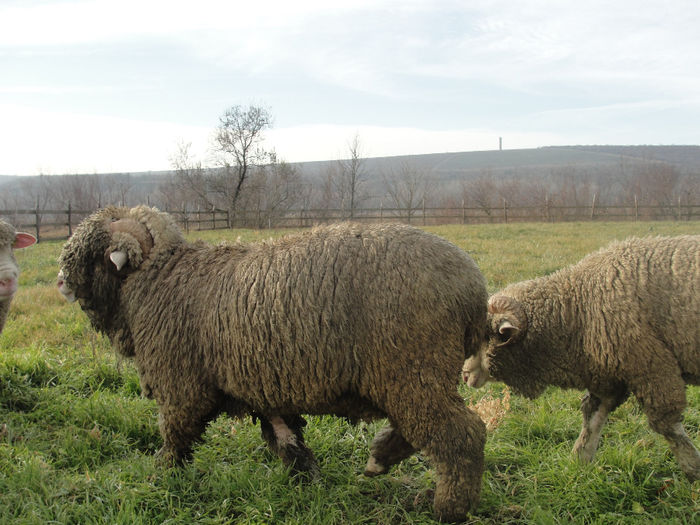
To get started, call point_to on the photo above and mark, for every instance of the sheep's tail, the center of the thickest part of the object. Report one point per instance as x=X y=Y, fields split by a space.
x=474 y=336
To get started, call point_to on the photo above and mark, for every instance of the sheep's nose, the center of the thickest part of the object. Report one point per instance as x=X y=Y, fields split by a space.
x=8 y=287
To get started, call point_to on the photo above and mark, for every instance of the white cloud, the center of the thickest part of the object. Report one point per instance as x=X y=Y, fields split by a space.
x=603 y=63
x=57 y=143
x=37 y=141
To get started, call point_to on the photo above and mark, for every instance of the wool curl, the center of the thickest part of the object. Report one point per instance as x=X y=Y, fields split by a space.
x=7 y=233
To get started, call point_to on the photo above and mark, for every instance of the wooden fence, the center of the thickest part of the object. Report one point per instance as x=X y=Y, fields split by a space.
x=59 y=224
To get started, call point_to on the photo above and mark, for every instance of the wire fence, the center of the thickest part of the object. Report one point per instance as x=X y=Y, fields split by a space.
x=49 y=224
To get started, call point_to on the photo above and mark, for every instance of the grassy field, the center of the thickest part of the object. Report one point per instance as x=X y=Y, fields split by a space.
x=77 y=440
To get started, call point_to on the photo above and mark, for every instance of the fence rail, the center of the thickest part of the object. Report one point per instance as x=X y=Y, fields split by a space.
x=58 y=224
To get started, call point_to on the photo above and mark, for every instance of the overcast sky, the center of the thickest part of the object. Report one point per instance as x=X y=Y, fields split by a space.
x=99 y=85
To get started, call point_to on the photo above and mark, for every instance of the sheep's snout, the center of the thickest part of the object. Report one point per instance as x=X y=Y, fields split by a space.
x=9 y=272
x=63 y=287
x=474 y=372
x=8 y=287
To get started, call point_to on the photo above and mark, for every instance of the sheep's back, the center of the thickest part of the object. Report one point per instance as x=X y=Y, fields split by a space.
x=327 y=312
x=614 y=299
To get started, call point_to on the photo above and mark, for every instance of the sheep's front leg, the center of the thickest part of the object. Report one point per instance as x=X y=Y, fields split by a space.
x=595 y=413
x=182 y=424
x=284 y=436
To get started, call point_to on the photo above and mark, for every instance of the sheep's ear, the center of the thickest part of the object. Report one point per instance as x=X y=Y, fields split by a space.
x=119 y=259
x=508 y=331
x=22 y=240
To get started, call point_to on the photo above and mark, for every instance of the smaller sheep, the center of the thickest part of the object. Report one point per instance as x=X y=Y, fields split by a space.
x=623 y=320
x=9 y=271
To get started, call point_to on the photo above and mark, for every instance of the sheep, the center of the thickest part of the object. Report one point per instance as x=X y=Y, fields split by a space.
x=10 y=240
x=357 y=321
x=622 y=320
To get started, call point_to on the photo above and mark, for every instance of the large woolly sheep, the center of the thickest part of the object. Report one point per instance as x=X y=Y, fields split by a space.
x=357 y=321
x=624 y=319
x=10 y=240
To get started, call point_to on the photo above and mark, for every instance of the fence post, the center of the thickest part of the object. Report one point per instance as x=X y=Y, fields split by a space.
x=505 y=211
x=423 y=211
x=636 y=209
x=70 y=227
x=464 y=213
x=38 y=221
x=679 y=208
x=595 y=196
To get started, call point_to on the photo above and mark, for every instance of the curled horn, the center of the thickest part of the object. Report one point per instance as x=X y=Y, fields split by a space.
x=512 y=317
x=138 y=232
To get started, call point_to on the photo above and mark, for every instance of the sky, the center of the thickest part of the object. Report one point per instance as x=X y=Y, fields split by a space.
x=97 y=86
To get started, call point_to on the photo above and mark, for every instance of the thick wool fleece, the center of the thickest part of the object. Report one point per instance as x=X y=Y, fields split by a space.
x=623 y=320
x=628 y=312
x=357 y=321
x=7 y=233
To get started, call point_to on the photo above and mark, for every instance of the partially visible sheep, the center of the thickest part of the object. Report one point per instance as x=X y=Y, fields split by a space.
x=624 y=319
x=357 y=321
x=9 y=271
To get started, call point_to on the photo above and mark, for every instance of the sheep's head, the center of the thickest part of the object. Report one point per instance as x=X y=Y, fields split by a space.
x=10 y=240
x=506 y=327
x=107 y=248
x=114 y=242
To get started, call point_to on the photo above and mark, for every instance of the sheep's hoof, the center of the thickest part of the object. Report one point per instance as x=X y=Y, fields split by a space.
x=167 y=457
x=374 y=468
x=582 y=453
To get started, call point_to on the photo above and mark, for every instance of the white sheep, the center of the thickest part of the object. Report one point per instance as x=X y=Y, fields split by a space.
x=10 y=240
x=625 y=319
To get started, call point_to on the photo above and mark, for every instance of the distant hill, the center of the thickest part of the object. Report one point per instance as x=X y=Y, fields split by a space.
x=446 y=171
x=522 y=162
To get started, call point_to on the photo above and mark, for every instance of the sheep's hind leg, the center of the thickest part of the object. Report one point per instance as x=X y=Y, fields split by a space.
x=682 y=447
x=284 y=436
x=388 y=448
x=662 y=396
x=667 y=422
x=438 y=423
x=595 y=413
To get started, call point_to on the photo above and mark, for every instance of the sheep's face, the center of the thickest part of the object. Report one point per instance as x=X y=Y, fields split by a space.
x=503 y=356
x=475 y=371
x=105 y=250
x=494 y=354
x=9 y=271
x=86 y=272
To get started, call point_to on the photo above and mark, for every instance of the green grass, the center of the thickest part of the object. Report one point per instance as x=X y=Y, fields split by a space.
x=78 y=441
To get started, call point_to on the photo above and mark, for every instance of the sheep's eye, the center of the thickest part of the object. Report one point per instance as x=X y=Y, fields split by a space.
x=502 y=337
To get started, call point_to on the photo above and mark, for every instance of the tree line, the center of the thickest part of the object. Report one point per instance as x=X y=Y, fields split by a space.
x=257 y=189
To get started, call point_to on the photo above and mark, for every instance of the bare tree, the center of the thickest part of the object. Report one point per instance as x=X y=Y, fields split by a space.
x=190 y=181
x=481 y=193
x=273 y=190
x=351 y=177
x=238 y=148
x=407 y=187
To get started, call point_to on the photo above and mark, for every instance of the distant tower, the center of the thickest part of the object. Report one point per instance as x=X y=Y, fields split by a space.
x=500 y=143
